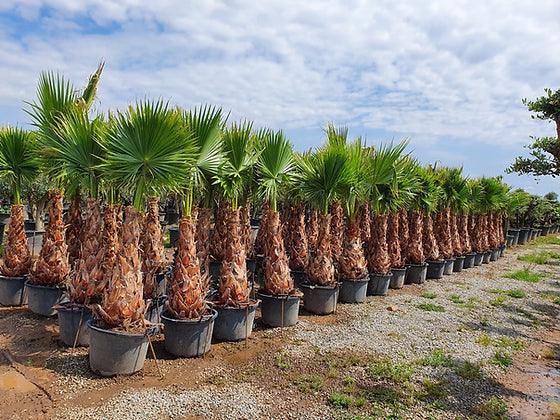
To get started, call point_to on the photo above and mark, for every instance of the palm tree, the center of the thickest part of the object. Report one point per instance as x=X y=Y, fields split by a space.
x=233 y=179
x=146 y=154
x=428 y=184
x=18 y=165
x=275 y=165
x=189 y=282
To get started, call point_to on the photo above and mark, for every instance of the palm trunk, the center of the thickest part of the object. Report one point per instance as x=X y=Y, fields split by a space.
x=378 y=252
x=320 y=269
x=443 y=233
x=404 y=234
x=456 y=239
x=234 y=289
x=484 y=232
x=415 y=251
x=16 y=260
x=337 y=233
x=429 y=243
x=312 y=229
x=52 y=267
x=353 y=262
x=88 y=274
x=187 y=290
x=464 y=232
x=112 y=228
x=365 y=222
x=123 y=305
x=220 y=232
x=479 y=233
x=261 y=238
x=204 y=222
x=297 y=248
x=393 y=242
x=153 y=256
x=277 y=279
x=246 y=236
x=74 y=229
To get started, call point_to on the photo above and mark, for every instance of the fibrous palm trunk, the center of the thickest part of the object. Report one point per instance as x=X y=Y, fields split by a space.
x=320 y=269
x=112 y=228
x=429 y=243
x=153 y=256
x=415 y=250
x=353 y=264
x=220 y=231
x=337 y=233
x=378 y=253
x=123 y=304
x=443 y=233
x=404 y=234
x=393 y=241
x=466 y=245
x=52 y=267
x=261 y=238
x=501 y=229
x=74 y=229
x=365 y=222
x=246 y=234
x=456 y=239
x=188 y=288
x=16 y=260
x=88 y=273
x=312 y=229
x=204 y=222
x=277 y=279
x=477 y=232
x=234 y=289
x=483 y=220
x=297 y=249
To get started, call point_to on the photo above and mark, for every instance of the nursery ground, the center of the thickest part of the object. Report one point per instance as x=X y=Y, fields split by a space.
x=475 y=344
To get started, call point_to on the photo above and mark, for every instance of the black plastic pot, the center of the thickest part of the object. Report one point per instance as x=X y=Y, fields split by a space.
x=279 y=311
x=172 y=217
x=353 y=291
x=448 y=266
x=34 y=240
x=478 y=258
x=174 y=236
x=523 y=236
x=515 y=234
x=73 y=324
x=545 y=230
x=502 y=249
x=29 y=224
x=416 y=273
x=188 y=337
x=494 y=254
x=458 y=264
x=12 y=291
x=215 y=267
x=251 y=265
x=397 y=278
x=509 y=240
x=378 y=284
x=533 y=234
x=154 y=309
x=319 y=300
x=115 y=352
x=299 y=278
x=435 y=269
x=486 y=257
x=42 y=299
x=234 y=324
x=469 y=260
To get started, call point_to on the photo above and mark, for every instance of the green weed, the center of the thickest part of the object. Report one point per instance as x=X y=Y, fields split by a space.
x=430 y=307
x=525 y=275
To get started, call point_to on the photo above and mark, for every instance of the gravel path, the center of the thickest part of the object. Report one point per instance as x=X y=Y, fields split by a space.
x=294 y=373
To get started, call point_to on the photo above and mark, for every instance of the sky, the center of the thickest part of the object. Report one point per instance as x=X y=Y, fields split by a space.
x=447 y=76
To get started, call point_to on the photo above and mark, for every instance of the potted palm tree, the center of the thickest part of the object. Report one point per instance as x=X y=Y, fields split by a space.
x=145 y=155
x=353 y=268
x=382 y=169
x=321 y=174
x=188 y=319
x=275 y=166
x=236 y=311
x=18 y=164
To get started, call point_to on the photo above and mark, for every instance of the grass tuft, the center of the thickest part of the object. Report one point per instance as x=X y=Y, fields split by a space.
x=526 y=275
x=493 y=408
x=385 y=369
x=429 y=295
x=430 y=307
x=438 y=358
x=456 y=299
x=339 y=400
x=502 y=359
x=468 y=370
x=543 y=257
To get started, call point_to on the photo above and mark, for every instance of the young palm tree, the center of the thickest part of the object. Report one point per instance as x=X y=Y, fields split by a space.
x=233 y=178
x=152 y=251
x=18 y=164
x=146 y=155
x=275 y=165
x=428 y=184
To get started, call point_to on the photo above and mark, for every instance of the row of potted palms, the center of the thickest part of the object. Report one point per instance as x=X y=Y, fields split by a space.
x=336 y=223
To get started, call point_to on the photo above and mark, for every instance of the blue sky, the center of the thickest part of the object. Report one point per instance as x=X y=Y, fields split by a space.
x=448 y=76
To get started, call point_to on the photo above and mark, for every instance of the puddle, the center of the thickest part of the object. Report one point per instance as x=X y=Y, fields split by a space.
x=14 y=381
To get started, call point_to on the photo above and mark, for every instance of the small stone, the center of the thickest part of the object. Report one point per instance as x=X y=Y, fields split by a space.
x=393 y=308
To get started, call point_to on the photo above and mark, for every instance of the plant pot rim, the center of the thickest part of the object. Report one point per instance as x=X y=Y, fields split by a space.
x=165 y=315
x=360 y=280
x=389 y=274
x=251 y=303
x=71 y=307
x=424 y=264
x=316 y=286
x=28 y=283
x=450 y=259
x=470 y=253
x=435 y=261
x=398 y=268
x=91 y=324
x=24 y=277
x=279 y=297
x=460 y=257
